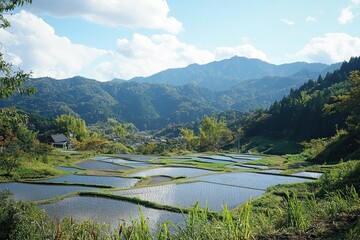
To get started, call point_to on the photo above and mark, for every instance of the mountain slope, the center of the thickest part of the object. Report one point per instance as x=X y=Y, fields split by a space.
x=221 y=75
x=151 y=106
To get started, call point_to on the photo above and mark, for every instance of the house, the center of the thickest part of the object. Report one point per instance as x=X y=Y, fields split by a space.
x=60 y=140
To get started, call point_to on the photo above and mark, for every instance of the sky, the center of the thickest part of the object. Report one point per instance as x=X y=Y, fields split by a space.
x=107 y=39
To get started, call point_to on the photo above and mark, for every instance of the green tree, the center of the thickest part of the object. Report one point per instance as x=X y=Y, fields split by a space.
x=120 y=131
x=68 y=125
x=15 y=139
x=191 y=140
x=213 y=133
x=348 y=102
x=11 y=81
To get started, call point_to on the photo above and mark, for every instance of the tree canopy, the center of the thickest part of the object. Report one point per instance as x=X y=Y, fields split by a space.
x=11 y=80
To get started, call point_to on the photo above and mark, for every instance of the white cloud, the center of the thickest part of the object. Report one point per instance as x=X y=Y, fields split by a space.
x=288 y=22
x=30 y=43
x=144 y=56
x=311 y=19
x=245 y=50
x=355 y=2
x=334 y=47
x=346 y=16
x=129 y=13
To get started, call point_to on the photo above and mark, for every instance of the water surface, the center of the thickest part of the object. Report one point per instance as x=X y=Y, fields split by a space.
x=185 y=195
x=118 y=182
x=100 y=165
x=68 y=169
x=36 y=192
x=308 y=174
x=250 y=180
x=107 y=211
x=172 y=172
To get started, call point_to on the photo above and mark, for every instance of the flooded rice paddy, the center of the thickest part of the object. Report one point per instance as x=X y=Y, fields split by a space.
x=214 y=189
x=37 y=192
x=172 y=172
x=215 y=196
x=249 y=179
x=111 y=211
x=100 y=165
x=118 y=182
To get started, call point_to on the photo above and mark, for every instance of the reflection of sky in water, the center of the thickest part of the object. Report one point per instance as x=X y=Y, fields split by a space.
x=108 y=211
x=308 y=174
x=210 y=160
x=69 y=169
x=36 y=192
x=276 y=171
x=171 y=171
x=255 y=166
x=97 y=165
x=250 y=180
x=102 y=180
x=137 y=157
x=134 y=164
x=185 y=195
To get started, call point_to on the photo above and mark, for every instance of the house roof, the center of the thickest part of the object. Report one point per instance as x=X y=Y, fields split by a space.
x=58 y=138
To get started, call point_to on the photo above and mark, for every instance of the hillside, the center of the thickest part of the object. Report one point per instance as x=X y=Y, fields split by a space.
x=222 y=75
x=300 y=116
x=154 y=105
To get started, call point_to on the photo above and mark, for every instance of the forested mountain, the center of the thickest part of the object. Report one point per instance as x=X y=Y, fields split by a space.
x=300 y=115
x=150 y=105
x=222 y=75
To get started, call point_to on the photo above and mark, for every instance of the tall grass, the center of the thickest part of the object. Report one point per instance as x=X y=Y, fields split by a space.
x=295 y=213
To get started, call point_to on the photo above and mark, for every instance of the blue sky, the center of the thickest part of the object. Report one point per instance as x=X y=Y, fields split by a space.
x=106 y=39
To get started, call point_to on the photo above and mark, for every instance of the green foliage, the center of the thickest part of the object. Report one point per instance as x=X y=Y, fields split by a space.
x=15 y=139
x=68 y=125
x=295 y=213
x=348 y=102
x=21 y=220
x=299 y=116
x=192 y=141
x=213 y=133
x=11 y=81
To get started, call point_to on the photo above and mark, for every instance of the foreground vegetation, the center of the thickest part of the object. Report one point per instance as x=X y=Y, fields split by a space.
x=325 y=209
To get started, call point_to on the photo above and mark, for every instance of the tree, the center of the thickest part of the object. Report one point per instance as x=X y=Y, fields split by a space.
x=213 y=133
x=11 y=81
x=10 y=156
x=190 y=138
x=15 y=138
x=68 y=125
x=348 y=102
x=120 y=131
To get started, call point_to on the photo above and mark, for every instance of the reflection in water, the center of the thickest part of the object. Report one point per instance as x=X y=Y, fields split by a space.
x=99 y=165
x=107 y=211
x=185 y=195
x=171 y=171
x=101 y=180
x=69 y=169
x=308 y=174
x=36 y=192
x=250 y=180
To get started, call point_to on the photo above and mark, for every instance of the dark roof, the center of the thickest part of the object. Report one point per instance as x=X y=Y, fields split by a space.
x=58 y=138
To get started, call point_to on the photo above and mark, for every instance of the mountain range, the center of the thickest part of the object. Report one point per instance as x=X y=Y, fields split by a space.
x=222 y=75
x=172 y=96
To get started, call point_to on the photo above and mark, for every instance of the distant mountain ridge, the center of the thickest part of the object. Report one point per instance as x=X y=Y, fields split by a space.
x=224 y=74
x=154 y=105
